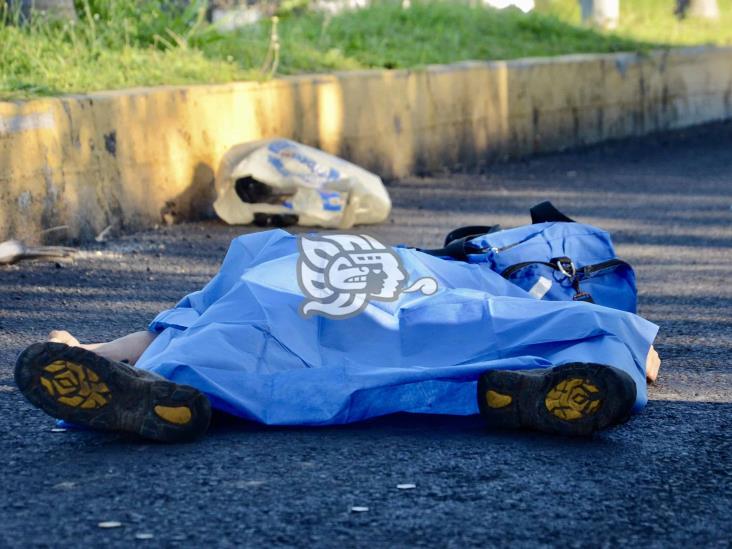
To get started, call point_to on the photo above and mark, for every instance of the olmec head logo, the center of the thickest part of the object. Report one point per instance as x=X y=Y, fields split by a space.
x=340 y=273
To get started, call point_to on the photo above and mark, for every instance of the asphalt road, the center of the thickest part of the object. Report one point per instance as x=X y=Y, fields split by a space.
x=663 y=479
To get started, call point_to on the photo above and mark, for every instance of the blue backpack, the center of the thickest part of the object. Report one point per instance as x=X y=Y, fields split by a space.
x=554 y=258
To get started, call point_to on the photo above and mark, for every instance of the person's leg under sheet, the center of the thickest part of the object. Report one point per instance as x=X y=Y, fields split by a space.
x=242 y=341
x=254 y=356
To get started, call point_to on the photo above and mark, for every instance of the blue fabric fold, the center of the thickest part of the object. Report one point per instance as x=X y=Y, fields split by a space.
x=242 y=341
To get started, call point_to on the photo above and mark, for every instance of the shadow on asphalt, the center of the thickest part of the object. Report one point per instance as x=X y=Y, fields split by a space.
x=681 y=418
x=431 y=426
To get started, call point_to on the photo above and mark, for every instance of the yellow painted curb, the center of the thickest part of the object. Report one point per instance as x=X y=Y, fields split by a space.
x=126 y=157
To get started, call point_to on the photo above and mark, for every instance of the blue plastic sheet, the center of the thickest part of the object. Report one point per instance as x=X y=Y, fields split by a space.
x=243 y=342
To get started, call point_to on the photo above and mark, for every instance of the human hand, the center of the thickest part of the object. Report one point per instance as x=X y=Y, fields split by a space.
x=653 y=364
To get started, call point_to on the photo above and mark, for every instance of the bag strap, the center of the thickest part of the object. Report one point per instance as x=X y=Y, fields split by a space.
x=546 y=212
x=456 y=242
x=469 y=231
x=457 y=249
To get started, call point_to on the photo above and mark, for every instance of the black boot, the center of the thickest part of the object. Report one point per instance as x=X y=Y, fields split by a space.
x=572 y=399
x=81 y=387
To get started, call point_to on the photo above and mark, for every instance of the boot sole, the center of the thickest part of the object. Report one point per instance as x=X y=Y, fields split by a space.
x=574 y=399
x=84 y=388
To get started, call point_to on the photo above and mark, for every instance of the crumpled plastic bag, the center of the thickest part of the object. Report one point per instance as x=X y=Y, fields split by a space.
x=278 y=182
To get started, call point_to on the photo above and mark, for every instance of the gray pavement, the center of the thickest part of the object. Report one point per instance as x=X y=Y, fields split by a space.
x=663 y=479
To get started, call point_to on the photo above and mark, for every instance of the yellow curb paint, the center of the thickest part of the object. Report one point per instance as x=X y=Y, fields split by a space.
x=126 y=157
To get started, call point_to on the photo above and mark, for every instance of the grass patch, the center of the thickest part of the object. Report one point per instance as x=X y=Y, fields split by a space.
x=128 y=43
x=654 y=21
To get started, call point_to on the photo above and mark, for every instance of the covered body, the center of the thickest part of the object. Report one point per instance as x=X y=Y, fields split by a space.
x=244 y=342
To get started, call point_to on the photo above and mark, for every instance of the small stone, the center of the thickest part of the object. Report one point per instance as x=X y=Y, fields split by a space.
x=249 y=483
x=110 y=524
x=407 y=486
x=359 y=509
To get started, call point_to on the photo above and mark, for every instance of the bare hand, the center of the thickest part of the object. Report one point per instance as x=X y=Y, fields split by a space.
x=653 y=364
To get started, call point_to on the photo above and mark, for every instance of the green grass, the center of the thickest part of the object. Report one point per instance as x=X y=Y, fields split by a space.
x=129 y=43
x=654 y=21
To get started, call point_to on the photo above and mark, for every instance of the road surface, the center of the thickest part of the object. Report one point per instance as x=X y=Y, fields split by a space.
x=662 y=479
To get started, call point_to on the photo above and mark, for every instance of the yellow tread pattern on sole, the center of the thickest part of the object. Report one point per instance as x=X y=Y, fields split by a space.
x=178 y=415
x=573 y=399
x=75 y=385
x=497 y=400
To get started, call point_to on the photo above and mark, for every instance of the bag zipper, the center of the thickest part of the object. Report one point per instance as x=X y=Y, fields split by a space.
x=585 y=272
x=508 y=271
x=589 y=270
x=504 y=248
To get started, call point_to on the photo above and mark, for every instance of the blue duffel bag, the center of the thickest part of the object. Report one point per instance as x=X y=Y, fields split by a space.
x=554 y=258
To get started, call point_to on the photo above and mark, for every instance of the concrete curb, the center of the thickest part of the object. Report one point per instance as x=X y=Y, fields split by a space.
x=128 y=157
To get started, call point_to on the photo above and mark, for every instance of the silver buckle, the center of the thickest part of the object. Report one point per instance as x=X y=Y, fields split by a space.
x=562 y=269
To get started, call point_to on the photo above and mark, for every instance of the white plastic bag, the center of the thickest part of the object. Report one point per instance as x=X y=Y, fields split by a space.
x=279 y=182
